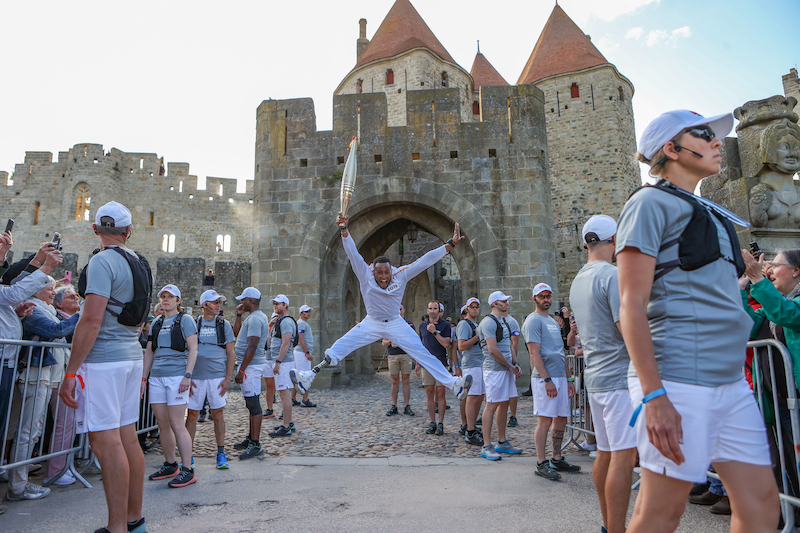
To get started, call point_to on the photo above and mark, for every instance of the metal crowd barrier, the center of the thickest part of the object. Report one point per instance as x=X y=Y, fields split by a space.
x=26 y=421
x=580 y=419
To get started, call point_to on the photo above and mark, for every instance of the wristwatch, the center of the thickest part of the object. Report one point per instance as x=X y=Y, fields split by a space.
x=188 y=375
x=451 y=243
x=547 y=379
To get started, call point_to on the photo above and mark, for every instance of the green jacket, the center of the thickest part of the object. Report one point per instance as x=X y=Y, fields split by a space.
x=776 y=308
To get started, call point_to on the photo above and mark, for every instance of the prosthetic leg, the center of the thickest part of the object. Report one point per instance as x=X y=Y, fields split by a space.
x=302 y=379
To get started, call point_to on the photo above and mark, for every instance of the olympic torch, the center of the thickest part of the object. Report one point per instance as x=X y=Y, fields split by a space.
x=349 y=176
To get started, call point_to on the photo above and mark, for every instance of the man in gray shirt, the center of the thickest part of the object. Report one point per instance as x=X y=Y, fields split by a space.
x=471 y=364
x=551 y=387
x=303 y=352
x=108 y=359
x=282 y=338
x=595 y=301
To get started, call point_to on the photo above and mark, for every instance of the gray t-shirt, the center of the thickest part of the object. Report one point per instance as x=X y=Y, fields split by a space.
x=515 y=330
x=473 y=357
x=545 y=331
x=287 y=326
x=595 y=301
x=212 y=358
x=109 y=275
x=305 y=329
x=488 y=328
x=255 y=325
x=697 y=321
x=168 y=362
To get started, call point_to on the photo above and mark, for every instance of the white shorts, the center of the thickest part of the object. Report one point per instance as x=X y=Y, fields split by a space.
x=251 y=386
x=719 y=424
x=477 y=388
x=544 y=405
x=611 y=412
x=301 y=362
x=500 y=385
x=269 y=373
x=165 y=390
x=206 y=388
x=282 y=380
x=109 y=398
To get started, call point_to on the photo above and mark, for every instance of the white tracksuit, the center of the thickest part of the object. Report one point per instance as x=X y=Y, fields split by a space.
x=383 y=308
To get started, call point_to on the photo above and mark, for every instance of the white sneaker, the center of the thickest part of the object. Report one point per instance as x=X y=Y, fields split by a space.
x=462 y=385
x=302 y=379
x=63 y=481
x=32 y=492
x=587 y=447
x=593 y=454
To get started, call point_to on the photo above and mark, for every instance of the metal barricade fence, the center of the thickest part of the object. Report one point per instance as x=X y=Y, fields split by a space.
x=25 y=421
x=580 y=420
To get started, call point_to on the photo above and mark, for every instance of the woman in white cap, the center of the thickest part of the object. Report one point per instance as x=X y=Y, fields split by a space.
x=686 y=332
x=169 y=361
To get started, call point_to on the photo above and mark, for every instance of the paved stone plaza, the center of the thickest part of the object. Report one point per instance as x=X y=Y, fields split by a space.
x=351 y=468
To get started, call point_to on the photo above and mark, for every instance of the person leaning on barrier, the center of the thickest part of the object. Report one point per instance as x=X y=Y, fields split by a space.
x=12 y=308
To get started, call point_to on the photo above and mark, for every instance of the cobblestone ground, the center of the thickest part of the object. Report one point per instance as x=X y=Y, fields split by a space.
x=352 y=422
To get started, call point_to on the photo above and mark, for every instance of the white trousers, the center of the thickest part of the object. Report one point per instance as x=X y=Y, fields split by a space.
x=370 y=330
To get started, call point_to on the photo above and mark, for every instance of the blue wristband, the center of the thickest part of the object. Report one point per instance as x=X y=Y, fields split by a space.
x=655 y=394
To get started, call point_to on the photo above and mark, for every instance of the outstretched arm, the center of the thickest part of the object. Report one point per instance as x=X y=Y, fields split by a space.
x=360 y=267
x=422 y=264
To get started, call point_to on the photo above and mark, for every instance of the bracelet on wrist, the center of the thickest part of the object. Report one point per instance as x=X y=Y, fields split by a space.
x=652 y=396
x=239 y=315
x=451 y=243
x=570 y=379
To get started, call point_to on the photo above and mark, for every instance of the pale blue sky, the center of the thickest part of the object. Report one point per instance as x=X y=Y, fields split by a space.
x=184 y=79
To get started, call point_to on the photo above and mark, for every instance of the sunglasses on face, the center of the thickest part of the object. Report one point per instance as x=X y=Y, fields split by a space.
x=702 y=132
x=475 y=306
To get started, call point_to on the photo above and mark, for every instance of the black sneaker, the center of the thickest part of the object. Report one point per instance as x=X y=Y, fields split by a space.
x=440 y=429
x=185 y=477
x=392 y=411
x=242 y=445
x=268 y=413
x=408 y=411
x=138 y=526
x=291 y=427
x=282 y=431
x=254 y=450
x=479 y=422
x=512 y=421
x=431 y=428
x=295 y=402
x=462 y=430
x=563 y=466
x=307 y=403
x=167 y=470
x=474 y=438
x=545 y=470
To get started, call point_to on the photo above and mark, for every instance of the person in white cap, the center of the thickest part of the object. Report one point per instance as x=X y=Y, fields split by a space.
x=303 y=352
x=472 y=365
x=500 y=369
x=252 y=336
x=551 y=387
x=686 y=332
x=594 y=297
x=283 y=337
x=515 y=333
x=213 y=371
x=107 y=357
x=169 y=361
x=382 y=288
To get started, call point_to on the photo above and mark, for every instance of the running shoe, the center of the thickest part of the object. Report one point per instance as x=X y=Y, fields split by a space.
x=269 y=413
x=254 y=450
x=507 y=447
x=242 y=445
x=587 y=447
x=282 y=431
x=166 y=470
x=137 y=527
x=32 y=492
x=392 y=411
x=291 y=427
x=295 y=403
x=431 y=428
x=474 y=438
x=440 y=429
x=488 y=452
x=184 y=478
x=307 y=403
x=545 y=470
x=512 y=421
x=222 y=461
x=408 y=411
x=66 y=479
x=462 y=430
x=563 y=466
x=302 y=379
x=462 y=385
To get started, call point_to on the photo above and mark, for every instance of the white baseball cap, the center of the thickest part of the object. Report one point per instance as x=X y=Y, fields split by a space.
x=599 y=228
x=463 y=309
x=498 y=296
x=117 y=212
x=172 y=289
x=472 y=300
x=273 y=315
x=664 y=128
x=211 y=296
x=541 y=287
x=281 y=298
x=441 y=307
x=250 y=292
x=304 y=308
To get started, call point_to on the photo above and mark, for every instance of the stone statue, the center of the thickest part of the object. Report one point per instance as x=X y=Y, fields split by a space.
x=775 y=200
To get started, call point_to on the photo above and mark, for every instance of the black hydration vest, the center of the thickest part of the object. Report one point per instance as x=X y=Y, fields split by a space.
x=499 y=333
x=177 y=341
x=698 y=245
x=220 y=324
x=134 y=312
x=277 y=331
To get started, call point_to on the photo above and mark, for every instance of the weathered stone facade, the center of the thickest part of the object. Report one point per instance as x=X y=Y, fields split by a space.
x=791 y=87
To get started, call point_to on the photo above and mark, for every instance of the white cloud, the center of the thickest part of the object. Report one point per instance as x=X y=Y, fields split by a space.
x=686 y=31
x=634 y=33
x=605 y=45
x=657 y=37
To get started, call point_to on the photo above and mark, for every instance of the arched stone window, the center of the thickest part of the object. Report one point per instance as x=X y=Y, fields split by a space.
x=444 y=79
x=83 y=201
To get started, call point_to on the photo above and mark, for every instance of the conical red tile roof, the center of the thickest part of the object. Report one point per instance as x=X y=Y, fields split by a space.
x=483 y=73
x=562 y=47
x=401 y=30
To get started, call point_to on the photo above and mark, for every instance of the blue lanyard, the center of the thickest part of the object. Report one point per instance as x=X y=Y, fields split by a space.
x=655 y=394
